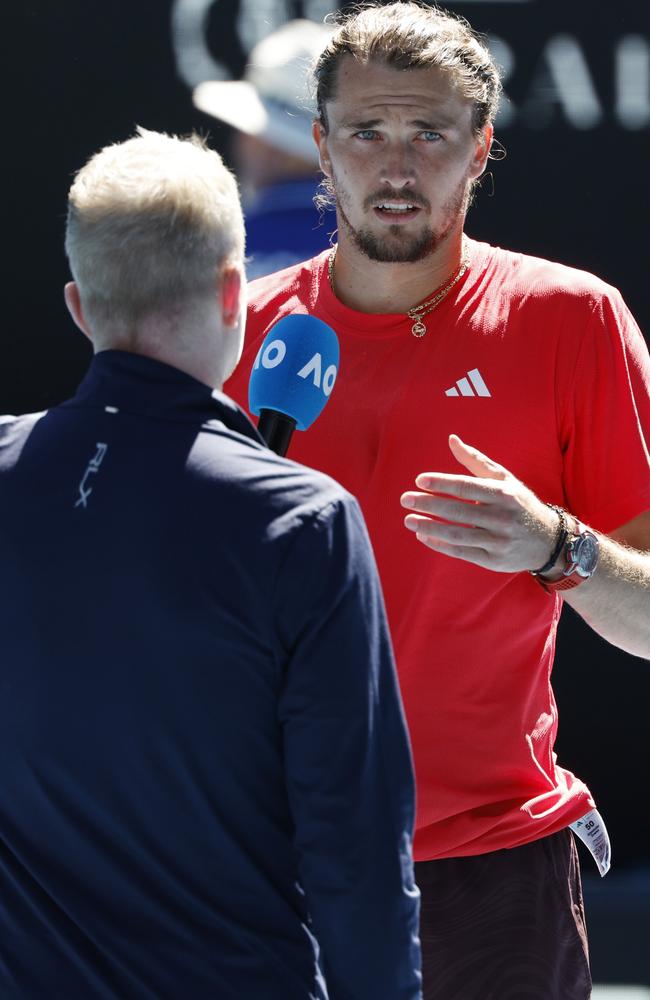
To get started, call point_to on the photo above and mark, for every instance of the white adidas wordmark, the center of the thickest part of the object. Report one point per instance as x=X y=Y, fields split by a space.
x=463 y=387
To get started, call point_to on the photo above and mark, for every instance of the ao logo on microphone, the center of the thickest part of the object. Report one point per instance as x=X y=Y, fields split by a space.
x=295 y=369
x=274 y=353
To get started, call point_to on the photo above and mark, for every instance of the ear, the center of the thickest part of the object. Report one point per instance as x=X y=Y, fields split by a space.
x=481 y=151
x=73 y=302
x=319 y=136
x=231 y=282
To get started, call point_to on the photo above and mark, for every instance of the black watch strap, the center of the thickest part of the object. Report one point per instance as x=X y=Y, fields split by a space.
x=560 y=541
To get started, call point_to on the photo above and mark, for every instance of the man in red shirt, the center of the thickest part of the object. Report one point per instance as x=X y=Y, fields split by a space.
x=542 y=368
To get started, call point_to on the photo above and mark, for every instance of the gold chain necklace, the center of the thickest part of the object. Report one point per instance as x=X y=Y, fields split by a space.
x=417 y=312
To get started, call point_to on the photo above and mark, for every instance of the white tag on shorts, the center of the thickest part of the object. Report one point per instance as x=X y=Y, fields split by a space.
x=592 y=831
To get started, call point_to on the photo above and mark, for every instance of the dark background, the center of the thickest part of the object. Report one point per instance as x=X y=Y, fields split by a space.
x=81 y=74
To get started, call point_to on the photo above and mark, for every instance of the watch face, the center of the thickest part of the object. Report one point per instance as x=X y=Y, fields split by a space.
x=585 y=553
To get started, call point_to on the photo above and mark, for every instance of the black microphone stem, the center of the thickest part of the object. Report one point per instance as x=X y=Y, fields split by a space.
x=276 y=429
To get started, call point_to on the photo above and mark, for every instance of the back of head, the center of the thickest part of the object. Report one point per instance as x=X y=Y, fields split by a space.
x=150 y=223
x=412 y=35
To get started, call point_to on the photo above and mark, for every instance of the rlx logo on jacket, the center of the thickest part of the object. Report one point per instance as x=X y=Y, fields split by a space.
x=93 y=467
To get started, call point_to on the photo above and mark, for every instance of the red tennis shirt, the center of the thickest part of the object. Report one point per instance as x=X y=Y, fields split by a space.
x=542 y=368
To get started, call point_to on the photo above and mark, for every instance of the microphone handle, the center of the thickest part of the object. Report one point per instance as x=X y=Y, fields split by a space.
x=276 y=429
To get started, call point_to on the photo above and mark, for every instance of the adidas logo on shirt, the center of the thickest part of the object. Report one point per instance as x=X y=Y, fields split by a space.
x=473 y=385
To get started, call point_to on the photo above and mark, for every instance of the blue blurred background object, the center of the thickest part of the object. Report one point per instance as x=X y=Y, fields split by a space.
x=274 y=156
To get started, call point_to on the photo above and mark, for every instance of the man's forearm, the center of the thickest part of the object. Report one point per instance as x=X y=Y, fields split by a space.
x=511 y=530
x=615 y=602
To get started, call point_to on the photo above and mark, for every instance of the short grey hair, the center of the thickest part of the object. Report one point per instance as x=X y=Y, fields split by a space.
x=150 y=222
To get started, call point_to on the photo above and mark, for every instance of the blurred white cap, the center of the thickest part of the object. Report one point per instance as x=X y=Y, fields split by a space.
x=272 y=101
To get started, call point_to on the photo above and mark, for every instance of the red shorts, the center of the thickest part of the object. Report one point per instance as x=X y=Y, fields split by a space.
x=508 y=925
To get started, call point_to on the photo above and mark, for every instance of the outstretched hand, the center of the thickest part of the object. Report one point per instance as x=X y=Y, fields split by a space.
x=488 y=517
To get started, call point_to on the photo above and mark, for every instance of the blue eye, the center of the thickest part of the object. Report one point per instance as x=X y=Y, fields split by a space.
x=429 y=136
x=366 y=134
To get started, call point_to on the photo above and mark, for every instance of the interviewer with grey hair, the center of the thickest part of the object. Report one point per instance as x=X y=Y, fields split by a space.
x=206 y=787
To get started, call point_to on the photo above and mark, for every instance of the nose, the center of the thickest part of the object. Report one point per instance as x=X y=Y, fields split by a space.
x=397 y=169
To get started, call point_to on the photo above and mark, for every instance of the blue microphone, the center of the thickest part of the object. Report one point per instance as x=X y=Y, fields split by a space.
x=292 y=377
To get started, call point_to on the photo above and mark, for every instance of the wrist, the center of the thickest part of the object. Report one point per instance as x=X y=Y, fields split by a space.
x=554 y=566
x=577 y=561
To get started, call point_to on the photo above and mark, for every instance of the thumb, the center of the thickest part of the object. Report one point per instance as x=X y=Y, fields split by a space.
x=475 y=461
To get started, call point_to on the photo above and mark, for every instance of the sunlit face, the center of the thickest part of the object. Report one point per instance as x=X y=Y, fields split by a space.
x=401 y=155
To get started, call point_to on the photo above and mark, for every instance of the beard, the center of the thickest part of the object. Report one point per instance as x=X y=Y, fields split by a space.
x=395 y=246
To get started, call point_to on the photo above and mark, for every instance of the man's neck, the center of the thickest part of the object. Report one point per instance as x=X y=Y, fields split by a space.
x=195 y=348
x=376 y=287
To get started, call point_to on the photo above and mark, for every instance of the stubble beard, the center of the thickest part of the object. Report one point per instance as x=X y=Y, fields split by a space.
x=395 y=246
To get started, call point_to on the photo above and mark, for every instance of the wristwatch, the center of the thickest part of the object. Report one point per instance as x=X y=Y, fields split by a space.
x=581 y=552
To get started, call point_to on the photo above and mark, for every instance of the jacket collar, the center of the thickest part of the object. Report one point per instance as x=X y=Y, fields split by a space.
x=139 y=384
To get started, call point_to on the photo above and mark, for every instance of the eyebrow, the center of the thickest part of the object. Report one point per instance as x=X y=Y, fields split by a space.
x=431 y=125
x=360 y=125
x=440 y=121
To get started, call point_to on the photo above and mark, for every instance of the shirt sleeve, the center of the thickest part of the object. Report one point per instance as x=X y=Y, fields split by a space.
x=347 y=761
x=607 y=421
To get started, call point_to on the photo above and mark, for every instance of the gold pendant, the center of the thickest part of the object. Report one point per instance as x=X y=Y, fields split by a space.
x=418 y=329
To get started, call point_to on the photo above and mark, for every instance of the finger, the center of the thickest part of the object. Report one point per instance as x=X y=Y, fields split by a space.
x=462 y=487
x=467 y=553
x=458 y=511
x=475 y=461
x=463 y=535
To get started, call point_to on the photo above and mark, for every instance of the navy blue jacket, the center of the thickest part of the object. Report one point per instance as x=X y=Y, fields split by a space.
x=204 y=769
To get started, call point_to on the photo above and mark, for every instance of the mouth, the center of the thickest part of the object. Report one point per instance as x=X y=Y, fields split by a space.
x=396 y=211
